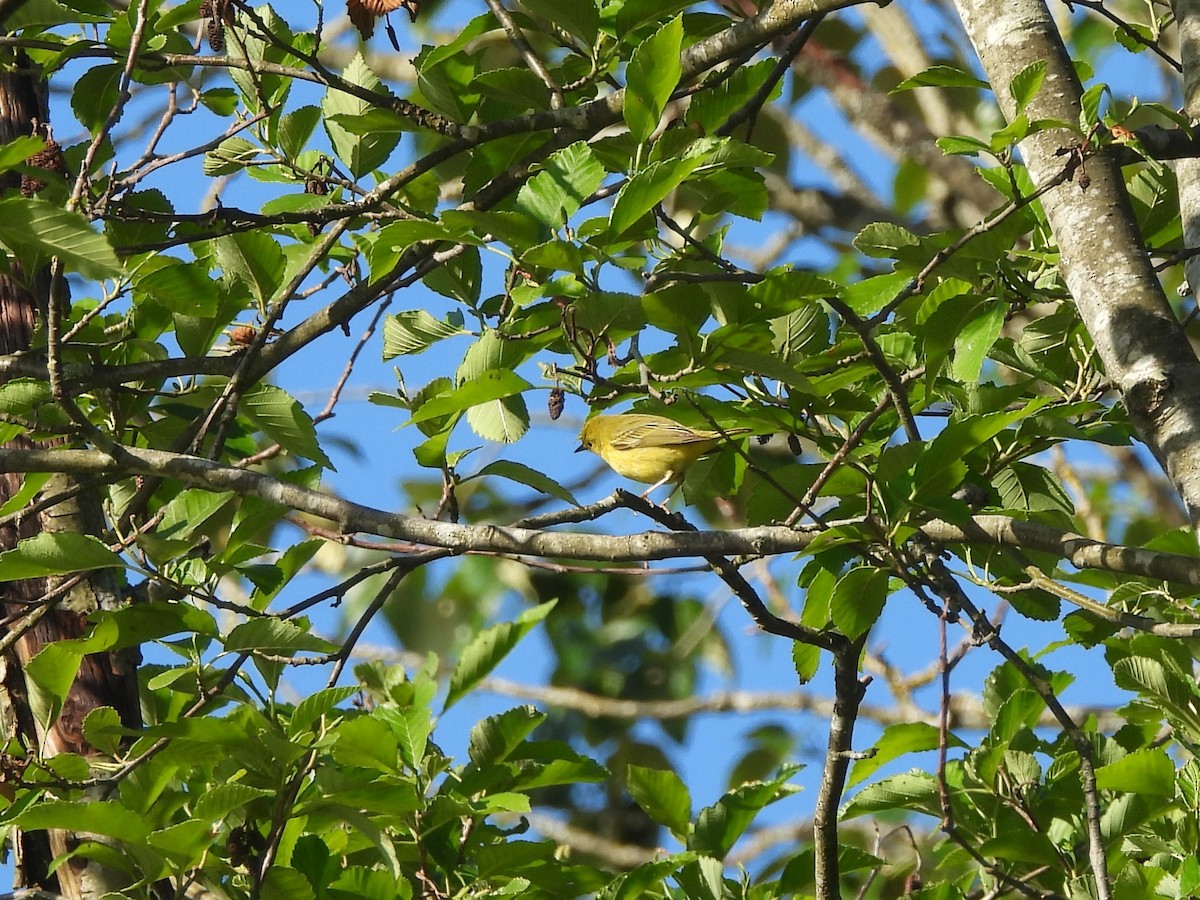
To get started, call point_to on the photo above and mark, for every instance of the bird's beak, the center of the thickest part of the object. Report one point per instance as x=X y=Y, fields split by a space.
x=580 y=447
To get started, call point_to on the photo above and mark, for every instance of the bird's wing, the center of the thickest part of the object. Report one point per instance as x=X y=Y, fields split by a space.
x=658 y=434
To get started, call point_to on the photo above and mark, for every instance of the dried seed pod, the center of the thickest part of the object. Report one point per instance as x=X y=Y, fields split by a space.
x=219 y=14
x=794 y=445
x=216 y=35
x=49 y=159
x=556 y=403
x=363 y=13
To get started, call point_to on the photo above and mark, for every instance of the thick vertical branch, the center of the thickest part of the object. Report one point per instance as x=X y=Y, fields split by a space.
x=1187 y=171
x=103 y=679
x=848 y=694
x=1103 y=260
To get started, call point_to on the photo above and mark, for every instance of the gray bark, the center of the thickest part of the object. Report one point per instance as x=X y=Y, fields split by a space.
x=1103 y=261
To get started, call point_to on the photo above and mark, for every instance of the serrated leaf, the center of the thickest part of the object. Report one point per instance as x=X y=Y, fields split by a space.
x=962 y=145
x=361 y=153
x=56 y=553
x=647 y=188
x=106 y=817
x=883 y=240
x=858 y=599
x=412 y=727
x=488 y=648
x=283 y=420
x=186 y=513
x=916 y=791
x=219 y=800
x=296 y=128
x=653 y=72
x=941 y=467
x=268 y=634
x=1145 y=771
x=30 y=224
x=314 y=706
x=103 y=730
x=522 y=474
x=567 y=178
x=253 y=259
x=941 y=76
x=49 y=676
x=414 y=331
x=719 y=826
x=496 y=737
x=663 y=796
x=231 y=155
x=1027 y=83
x=974 y=340
x=491 y=385
x=896 y=740
x=579 y=18
x=504 y=421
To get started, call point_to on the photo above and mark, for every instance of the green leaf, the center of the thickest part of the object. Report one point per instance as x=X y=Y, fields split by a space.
x=719 y=826
x=283 y=420
x=17 y=151
x=916 y=791
x=56 y=553
x=496 y=737
x=50 y=675
x=232 y=155
x=884 y=240
x=268 y=634
x=362 y=154
x=647 y=189
x=653 y=72
x=490 y=385
x=567 y=178
x=106 y=817
x=186 y=513
x=30 y=224
x=284 y=883
x=858 y=599
x=1145 y=771
x=1027 y=83
x=1027 y=487
x=314 y=706
x=579 y=18
x=94 y=94
x=522 y=474
x=222 y=799
x=488 y=648
x=663 y=796
x=296 y=128
x=253 y=259
x=412 y=727
x=896 y=740
x=974 y=340
x=941 y=76
x=962 y=145
x=941 y=468
x=415 y=331
x=102 y=729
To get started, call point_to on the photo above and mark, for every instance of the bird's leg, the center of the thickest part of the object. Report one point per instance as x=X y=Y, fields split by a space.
x=645 y=495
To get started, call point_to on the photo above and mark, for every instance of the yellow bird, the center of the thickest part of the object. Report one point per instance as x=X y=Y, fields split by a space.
x=651 y=449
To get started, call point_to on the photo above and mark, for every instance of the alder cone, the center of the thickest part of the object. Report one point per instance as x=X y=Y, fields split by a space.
x=50 y=159
x=363 y=13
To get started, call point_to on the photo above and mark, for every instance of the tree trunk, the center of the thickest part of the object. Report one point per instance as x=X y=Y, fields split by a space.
x=103 y=679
